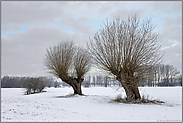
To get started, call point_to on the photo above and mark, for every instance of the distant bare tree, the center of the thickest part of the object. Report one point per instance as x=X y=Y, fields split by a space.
x=69 y=63
x=106 y=81
x=158 y=73
x=93 y=80
x=126 y=49
x=155 y=74
x=173 y=73
x=87 y=82
x=167 y=73
x=162 y=71
x=150 y=77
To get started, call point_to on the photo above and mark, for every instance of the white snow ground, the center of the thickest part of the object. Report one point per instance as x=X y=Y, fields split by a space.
x=96 y=106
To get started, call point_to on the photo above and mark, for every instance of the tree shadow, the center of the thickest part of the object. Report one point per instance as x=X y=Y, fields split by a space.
x=70 y=96
x=143 y=100
x=34 y=93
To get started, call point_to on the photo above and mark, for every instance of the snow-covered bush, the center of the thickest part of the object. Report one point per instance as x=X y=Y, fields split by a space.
x=34 y=85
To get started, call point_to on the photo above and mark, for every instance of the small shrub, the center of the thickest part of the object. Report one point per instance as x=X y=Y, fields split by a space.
x=34 y=85
x=143 y=100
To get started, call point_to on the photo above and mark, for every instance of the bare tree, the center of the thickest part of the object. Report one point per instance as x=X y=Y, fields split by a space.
x=127 y=50
x=158 y=73
x=93 y=80
x=162 y=71
x=173 y=73
x=167 y=73
x=155 y=69
x=106 y=81
x=69 y=63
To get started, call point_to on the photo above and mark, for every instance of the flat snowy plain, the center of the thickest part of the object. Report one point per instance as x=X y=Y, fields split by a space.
x=98 y=105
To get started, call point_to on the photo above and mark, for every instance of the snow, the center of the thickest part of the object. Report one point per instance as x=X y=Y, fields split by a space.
x=97 y=106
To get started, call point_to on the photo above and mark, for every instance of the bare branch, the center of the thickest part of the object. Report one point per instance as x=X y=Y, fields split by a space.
x=82 y=62
x=59 y=59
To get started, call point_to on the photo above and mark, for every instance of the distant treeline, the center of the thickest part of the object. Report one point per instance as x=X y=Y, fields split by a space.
x=19 y=82
x=106 y=81
x=163 y=75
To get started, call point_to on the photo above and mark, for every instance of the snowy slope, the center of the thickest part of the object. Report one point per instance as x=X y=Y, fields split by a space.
x=53 y=105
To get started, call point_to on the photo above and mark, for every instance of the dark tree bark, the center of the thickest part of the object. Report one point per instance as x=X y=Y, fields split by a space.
x=131 y=89
x=75 y=83
x=136 y=92
x=77 y=88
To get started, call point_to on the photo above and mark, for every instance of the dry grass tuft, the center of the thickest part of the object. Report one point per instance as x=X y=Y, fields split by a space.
x=143 y=100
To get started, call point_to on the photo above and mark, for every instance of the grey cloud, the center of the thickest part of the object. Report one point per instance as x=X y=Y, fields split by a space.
x=171 y=38
x=18 y=13
x=24 y=52
x=68 y=14
x=123 y=13
x=169 y=7
x=173 y=56
x=27 y=12
x=172 y=31
x=79 y=25
x=172 y=21
x=173 y=50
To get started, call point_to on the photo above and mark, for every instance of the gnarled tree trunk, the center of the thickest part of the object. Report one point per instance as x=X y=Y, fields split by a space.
x=75 y=83
x=132 y=91
x=77 y=88
x=128 y=91
x=136 y=92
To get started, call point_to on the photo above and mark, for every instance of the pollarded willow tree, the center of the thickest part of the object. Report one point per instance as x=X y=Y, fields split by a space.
x=127 y=49
x=69 y=63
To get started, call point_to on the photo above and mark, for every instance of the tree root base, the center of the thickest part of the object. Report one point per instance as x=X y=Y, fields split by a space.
x=143 y=100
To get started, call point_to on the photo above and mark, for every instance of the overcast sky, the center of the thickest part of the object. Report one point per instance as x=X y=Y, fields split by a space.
x=29 y=28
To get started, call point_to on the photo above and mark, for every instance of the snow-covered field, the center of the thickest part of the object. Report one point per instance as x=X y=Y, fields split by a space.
x=53 y=105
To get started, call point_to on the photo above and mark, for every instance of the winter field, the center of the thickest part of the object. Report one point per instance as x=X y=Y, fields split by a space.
x=55 y=106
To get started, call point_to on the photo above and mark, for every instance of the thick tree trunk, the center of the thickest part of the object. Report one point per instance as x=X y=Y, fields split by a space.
x=77 y=88
x=136 y=92
x=75 y=83
x=128 y=91
x=132 y=91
